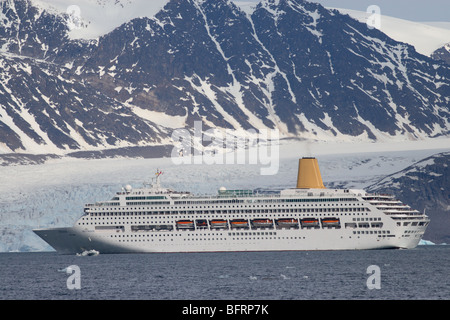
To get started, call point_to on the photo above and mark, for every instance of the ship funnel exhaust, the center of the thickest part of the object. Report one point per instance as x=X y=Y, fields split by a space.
x=309 y=176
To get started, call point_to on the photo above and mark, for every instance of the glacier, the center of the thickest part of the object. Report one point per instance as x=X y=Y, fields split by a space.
x=53 y=194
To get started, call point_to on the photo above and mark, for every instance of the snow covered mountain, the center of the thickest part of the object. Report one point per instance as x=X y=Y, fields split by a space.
x=442 y=53
x=43 y=111
x=287 y=64
x=424 y=186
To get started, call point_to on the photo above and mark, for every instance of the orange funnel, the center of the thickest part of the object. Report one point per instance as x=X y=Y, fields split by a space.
x=309 y=174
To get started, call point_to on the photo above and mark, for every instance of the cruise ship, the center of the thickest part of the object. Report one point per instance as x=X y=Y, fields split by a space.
x=155 y=219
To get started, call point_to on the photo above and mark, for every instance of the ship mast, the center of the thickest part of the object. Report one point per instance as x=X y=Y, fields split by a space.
x=157 y=184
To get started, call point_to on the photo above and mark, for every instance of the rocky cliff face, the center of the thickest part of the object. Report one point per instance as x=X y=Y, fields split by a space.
x=289 y=65
x=442 y=54
x=424 y=186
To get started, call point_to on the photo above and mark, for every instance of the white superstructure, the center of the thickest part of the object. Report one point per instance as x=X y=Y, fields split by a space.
x=157 y=219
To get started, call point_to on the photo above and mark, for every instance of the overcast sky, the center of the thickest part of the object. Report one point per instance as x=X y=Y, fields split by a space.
x=414 y=10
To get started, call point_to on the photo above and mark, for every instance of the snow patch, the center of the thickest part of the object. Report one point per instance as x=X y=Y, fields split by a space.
x=160 y=118
x=101 y=17
x=424 y=37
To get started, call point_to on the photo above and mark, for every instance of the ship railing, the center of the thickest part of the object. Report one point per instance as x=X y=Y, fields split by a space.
x=388 y=203
x=398 y=208
x=373 y=201
x=378 y=194
x=409 y=218
x=403 y=213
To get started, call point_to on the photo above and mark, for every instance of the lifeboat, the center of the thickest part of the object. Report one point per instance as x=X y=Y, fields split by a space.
x=239 y=223
x=185 y=224
x=310 y=223
x=331 y=223
x=287 y=223
x=262 y=223
x=218 y=224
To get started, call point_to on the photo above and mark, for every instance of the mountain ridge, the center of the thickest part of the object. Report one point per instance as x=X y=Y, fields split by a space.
x=442 y=53
x=292 y=65
x=424 y=186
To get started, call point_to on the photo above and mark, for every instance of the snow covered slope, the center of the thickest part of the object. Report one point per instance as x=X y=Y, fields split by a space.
x=290 y=65
x=95 y=18
x=424 y=37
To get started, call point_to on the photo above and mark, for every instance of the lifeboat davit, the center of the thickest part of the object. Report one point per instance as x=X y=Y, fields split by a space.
x=262 y=223
x=331 y=223
x=287 y=223
x=185 y=224
x=218 y=224
x=239 y=223
x=310 y=223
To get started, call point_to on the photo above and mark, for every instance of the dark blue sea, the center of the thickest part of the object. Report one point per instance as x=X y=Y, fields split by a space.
x=421 y=273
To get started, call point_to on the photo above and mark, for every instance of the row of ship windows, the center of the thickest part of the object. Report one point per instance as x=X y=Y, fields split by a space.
x=143 y=203
x=273 y=200
x=231 y=234
x=163 y=235
x=205 y=237
x=217 y=239
x=139 y=215
x=413 y=224
x=100 y=208
x=367 y=219
x=241 y=238
x=256 y=233
x=230 y=201
x=133 y=213
x=206 y=217
x=372 y=232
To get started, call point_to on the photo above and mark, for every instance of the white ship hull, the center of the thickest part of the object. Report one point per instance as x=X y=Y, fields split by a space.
x=75 y=240
x=150 y=220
